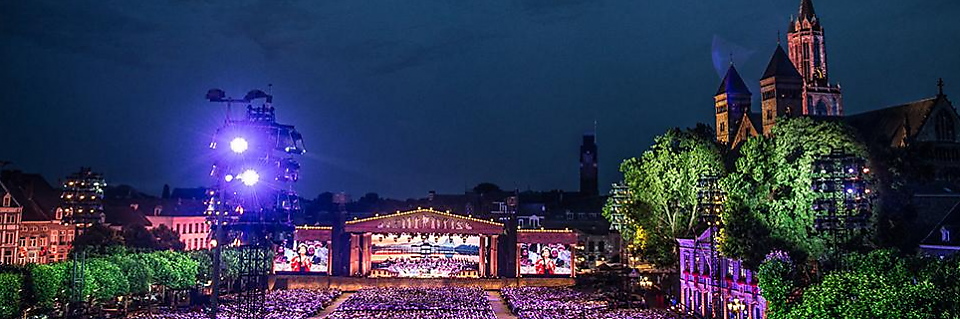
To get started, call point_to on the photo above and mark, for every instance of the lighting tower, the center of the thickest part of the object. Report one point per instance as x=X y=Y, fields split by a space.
x=710 y=199
x=844 y=202
x=81 y=200
x=253 y=200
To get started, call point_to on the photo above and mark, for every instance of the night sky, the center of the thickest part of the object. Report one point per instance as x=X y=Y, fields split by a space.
x=404 y=97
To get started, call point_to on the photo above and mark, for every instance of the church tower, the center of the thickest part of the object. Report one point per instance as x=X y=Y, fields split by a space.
x=781 y=90
x=808 y=52
x=731 y=102
x=589 y=184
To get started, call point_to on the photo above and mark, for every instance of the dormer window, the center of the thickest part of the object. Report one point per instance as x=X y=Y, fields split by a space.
x=157 y=210
x=6 y=200
x=944 y=234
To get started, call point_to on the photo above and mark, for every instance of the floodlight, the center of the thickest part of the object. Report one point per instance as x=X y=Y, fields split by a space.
x=238 y=145
x=249 y=177
x=228 y=178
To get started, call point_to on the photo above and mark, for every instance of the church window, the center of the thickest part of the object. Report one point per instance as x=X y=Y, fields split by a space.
x=821 y=108
x=944 y=127
x=816 y=53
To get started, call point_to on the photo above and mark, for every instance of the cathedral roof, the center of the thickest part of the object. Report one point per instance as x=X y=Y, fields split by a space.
x=732 y=83
x=895 y=125
x=780 y=66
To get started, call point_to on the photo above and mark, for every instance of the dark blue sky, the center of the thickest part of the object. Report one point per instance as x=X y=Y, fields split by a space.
x=403 y=97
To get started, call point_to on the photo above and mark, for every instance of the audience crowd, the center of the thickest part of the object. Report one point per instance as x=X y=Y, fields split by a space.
x=566 y=303
x=279 y=304
x=410 y=303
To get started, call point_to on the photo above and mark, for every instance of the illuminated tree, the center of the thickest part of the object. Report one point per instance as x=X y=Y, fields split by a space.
x=662 y=184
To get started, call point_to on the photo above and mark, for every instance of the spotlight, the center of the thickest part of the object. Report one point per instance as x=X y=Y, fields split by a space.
x=238 y=145
x=228 y=178
x=249 y=177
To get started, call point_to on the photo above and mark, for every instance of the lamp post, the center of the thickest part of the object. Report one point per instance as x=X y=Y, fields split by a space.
x=736 y=306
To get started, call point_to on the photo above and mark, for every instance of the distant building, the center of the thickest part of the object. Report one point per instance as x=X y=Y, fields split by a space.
x=707 y=286
x=589 y=183
x=42 y=237
x=10 y=212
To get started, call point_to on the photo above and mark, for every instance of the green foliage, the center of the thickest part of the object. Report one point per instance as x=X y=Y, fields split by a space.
x=880 y=284
x=769 y=191
x=204 y=260
x=48 y=284
x=182 y=270
x=105 y=280
x=137 y=270
x=98 y=239
x=166 y=238
x=663 y=189
x=11 y=289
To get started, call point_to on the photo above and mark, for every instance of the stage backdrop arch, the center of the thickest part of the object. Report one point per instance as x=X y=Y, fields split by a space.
x=423 y=243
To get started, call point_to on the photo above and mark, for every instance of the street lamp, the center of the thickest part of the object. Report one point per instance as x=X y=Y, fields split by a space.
x=736 y=306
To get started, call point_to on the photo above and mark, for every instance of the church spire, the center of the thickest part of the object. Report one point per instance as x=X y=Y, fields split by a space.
x=806 y=10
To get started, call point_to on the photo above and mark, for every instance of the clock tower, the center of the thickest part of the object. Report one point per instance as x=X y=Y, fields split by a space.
x=808 y=52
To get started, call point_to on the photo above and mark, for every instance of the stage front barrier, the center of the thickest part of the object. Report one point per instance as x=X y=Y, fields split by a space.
x=356 y=283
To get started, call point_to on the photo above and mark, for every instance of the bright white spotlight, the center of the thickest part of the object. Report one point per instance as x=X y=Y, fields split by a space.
x=238 y=145
x=249 y=177
x=228 y=178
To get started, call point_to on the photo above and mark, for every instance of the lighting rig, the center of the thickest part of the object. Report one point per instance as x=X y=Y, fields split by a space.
x=844 y=203
x=710 y=200
x=81 y=201
x=253 y=200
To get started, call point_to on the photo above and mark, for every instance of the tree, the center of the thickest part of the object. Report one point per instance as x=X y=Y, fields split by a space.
x=166 y=238
x=770 y=197
x=662 y=184
x=106 y=280
x=880 y=284
x=138 y=271
x=486 y=188
x=137 y=237
x=11 y=288
x=48 y=283
x=98 y=239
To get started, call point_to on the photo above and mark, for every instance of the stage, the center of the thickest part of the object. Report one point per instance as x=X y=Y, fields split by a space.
x=355 y=283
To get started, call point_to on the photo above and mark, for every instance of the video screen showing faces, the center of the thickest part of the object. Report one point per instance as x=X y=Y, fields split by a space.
x=430 y=256
x=545 y=259
x=304 y=256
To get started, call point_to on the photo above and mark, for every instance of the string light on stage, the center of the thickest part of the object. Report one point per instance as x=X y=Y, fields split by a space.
x=249 y=177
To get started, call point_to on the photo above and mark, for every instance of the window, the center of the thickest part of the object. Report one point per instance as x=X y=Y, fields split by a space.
x=601 y=246
x=944 y=127
x=944 y=234
x=6 y=202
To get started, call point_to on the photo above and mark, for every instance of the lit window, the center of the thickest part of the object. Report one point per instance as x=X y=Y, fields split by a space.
x=944 y=234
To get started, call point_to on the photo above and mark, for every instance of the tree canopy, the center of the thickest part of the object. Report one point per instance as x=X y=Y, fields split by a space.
x=770 y=199
x=662 y=184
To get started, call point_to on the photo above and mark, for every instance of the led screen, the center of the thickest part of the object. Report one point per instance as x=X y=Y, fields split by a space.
x=545 y=259
x=425 y=256
x=304 y=256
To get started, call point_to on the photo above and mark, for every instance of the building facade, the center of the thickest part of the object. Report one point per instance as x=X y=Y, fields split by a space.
x=10 y=212
x=710 y=282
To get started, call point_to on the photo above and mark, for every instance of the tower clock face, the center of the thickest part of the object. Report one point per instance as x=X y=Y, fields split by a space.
x=818 y=73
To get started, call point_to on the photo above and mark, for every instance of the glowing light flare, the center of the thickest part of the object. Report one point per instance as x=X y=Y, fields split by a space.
x=249 y=177
x=228 y=178
x=239 y=145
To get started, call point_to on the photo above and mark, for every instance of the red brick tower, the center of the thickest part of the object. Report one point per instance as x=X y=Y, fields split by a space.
x=808 y=52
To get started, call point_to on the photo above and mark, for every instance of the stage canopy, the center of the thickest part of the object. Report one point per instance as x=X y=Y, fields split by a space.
x=424 y=221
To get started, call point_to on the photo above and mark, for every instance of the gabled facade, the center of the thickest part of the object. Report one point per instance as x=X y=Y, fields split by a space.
x=10 y=212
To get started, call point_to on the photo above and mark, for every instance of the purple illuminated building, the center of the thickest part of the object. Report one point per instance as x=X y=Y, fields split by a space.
x=702 y=287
